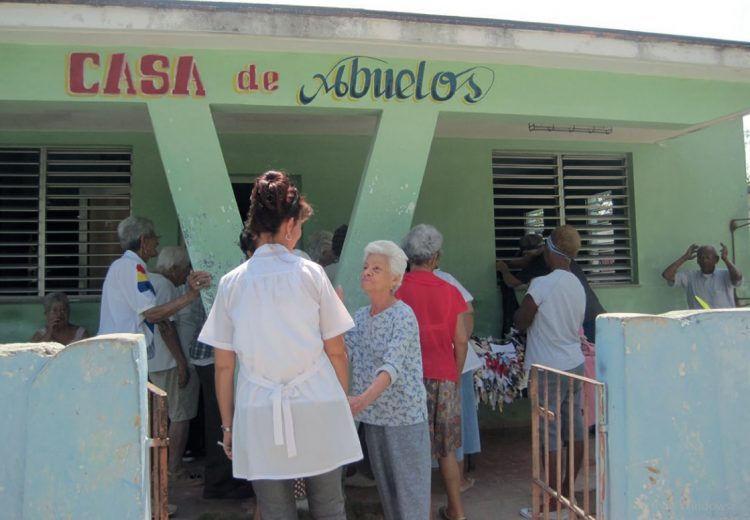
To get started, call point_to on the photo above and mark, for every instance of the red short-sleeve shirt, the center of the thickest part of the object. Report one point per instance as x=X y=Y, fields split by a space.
x=437 y=305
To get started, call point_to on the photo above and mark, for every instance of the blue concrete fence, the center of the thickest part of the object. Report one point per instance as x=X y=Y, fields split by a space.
x=74 y=427
x=678 y=408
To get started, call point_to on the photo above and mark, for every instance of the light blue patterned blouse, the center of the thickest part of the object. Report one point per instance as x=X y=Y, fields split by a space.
x=388 y=341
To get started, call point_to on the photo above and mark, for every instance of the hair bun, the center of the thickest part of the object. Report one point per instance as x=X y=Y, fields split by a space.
x=274 y=199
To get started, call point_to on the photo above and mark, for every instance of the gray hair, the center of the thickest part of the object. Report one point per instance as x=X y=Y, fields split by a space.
x=396 y=256
x=53 y=298
x=130 y=231
x=171 y=257
x=422 y=243
x=318 y=243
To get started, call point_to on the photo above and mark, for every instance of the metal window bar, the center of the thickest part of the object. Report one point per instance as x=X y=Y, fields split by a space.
x=19 y=229
x=596 y=195
x=542 y=416
x=81 y=182
x=563 y=187
x=59 y=218
x=159 y=443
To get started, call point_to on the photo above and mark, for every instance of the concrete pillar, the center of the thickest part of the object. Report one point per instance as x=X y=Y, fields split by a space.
x=200 y=186
x=388 y=191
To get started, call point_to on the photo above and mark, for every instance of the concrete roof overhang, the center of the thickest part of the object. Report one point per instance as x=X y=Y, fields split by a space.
x=324 y=30
x=217 y=25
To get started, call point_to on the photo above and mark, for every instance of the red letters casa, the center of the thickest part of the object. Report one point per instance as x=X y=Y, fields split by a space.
x=76 y=72
x=117 y=71
x=187 y=70
x=153 y=66
x=150 y=75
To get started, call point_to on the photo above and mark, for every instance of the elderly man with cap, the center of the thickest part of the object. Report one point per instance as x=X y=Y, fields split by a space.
x=707 y=284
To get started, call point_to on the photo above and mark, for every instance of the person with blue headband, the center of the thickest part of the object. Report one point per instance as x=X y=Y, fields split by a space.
x=552 y=314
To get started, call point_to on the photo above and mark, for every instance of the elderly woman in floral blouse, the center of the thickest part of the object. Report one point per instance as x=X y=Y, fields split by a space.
x=388 y=395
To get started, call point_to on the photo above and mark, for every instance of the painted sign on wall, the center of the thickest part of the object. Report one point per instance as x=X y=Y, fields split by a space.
x=352 y=78
x=356 y=77
x=150 y=75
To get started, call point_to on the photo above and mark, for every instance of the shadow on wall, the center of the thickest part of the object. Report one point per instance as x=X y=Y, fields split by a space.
x=74 y=429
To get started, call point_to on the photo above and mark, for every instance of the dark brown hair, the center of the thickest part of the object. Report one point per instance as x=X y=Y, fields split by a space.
x=274 y=199
x=337 y=242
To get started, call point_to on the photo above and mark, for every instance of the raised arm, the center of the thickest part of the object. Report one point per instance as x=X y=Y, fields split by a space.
x=197 y=280
x=670 y=272
x=510 y=280
x=734 y=274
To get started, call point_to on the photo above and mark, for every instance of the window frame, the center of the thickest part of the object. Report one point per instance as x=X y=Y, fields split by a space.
x=83 y=194
x=524 y=182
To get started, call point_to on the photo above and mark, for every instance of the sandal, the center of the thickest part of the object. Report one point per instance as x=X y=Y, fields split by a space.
x=443 y=514
x=468 y=484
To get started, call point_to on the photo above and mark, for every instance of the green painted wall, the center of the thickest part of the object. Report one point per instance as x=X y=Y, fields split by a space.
x=150 y=197
x=36 y=73
x=684 y=190
x=330 y=168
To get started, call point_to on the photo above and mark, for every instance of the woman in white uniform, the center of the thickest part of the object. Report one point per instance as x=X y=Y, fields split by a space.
x=280 y=317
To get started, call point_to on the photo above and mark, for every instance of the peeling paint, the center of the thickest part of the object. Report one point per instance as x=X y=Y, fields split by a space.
x=682 y=369
x=686 y=496
x=695 y=444
x=39 y=349
x=644 y=511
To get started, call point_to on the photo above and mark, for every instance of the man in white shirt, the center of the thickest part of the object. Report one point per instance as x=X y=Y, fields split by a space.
x=128 y=298
x=129 y=303
x=170 y=368
x=712 y=286
x=552 y=313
